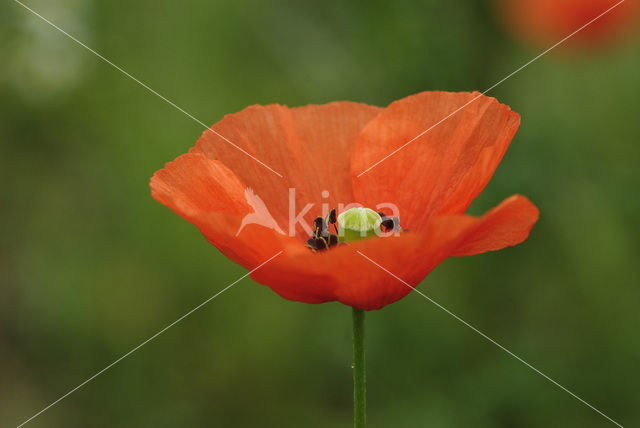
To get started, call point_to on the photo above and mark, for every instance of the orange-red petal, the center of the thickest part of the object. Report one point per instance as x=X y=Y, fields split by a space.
x=210 y=196
x=442 y=171
x=309 y=146
x=506 y=225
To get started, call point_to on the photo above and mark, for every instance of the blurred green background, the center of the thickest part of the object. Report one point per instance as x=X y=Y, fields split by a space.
x=91 y=265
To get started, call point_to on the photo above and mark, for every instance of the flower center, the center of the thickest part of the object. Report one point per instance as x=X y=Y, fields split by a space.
x=351 y=225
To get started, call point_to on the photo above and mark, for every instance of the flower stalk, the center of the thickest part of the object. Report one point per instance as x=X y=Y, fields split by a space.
x=359 y=371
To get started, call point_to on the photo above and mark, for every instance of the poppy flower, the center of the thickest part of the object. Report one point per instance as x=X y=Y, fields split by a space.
x=321 y=151
x=544 y=22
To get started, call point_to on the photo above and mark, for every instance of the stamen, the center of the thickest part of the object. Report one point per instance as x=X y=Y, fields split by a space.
x=332 y=219
x=321 y=239
x=387 y=222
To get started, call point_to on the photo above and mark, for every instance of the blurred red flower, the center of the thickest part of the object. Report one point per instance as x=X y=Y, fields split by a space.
x=545 y=22
x=323 y=148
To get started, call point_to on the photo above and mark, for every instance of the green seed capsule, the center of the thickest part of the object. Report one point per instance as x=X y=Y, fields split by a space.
x=358 y=223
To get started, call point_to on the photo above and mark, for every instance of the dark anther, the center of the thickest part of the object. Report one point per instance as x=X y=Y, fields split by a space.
x=387 y=222
x=319 y=227
x=317 y=244
x=333 y=240
x=311 y=243
x=321 y=239
x=332 y=218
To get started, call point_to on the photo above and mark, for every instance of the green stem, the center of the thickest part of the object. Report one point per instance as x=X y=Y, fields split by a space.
x=359 y=371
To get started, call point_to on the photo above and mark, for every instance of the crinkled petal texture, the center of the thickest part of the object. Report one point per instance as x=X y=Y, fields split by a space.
x=432 y=180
